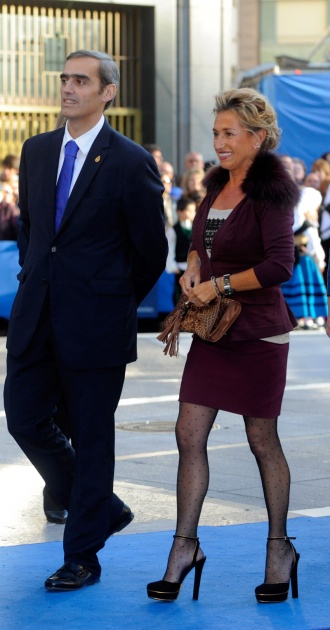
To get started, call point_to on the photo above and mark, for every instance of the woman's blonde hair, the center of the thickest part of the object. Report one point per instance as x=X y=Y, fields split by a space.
x=187 y=175
x=254 y=112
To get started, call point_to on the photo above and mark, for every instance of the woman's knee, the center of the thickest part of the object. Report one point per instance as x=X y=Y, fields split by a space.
x=259 y=447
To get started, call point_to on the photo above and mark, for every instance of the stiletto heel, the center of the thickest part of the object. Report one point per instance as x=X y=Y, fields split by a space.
x=169 y=591
x=276 y=593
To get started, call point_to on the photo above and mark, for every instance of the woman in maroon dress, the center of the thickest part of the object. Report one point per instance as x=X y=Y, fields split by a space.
x=242 y=244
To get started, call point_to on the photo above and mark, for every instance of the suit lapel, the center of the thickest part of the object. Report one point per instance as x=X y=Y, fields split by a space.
x=95 y=158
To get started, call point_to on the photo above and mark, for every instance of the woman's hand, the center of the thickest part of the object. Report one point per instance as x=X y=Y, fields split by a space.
x=191 y=277
x=202 y=294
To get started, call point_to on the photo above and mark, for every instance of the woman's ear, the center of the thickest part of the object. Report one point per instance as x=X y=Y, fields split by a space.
x=261 y=135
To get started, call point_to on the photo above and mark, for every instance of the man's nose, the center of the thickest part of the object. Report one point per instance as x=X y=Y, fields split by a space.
x=68 y=86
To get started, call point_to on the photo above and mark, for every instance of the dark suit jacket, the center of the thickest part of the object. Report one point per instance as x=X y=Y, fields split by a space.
x=109 y=251
x=258 y=234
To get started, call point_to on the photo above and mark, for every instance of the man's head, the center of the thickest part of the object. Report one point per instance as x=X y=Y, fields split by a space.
x=89 y=84
x=10 y=166
x=167 y=169
x=194 y=160
x=156 y=153
x=186 y=209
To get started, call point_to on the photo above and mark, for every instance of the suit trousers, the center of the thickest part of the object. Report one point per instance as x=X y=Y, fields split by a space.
x=80 y=478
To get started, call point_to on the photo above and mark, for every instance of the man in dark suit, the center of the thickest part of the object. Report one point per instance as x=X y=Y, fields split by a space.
x=73 y=325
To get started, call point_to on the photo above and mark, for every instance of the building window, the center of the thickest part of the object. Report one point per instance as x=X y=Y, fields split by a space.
x=302 y=22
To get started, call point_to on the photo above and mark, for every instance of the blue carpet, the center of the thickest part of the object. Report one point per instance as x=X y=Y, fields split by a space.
x=235 y=565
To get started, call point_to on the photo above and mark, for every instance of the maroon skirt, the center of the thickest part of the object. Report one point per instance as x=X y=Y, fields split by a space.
x=244 y=377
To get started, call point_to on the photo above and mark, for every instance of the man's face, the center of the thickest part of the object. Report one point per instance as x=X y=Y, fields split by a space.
x=194 y=160
x=82 y=96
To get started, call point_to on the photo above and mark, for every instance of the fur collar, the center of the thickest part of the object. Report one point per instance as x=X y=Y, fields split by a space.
x=266 y=180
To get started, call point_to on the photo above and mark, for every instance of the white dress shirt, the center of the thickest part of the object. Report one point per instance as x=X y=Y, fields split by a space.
x=84 y=143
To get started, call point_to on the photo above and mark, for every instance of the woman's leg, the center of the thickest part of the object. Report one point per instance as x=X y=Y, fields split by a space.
x=275 y=477
x=192 y=430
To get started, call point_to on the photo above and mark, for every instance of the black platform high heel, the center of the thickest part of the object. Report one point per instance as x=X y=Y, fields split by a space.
x=276 y=593
x=169 y=591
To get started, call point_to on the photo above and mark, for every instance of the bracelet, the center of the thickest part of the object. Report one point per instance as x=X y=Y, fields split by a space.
x=215 y=287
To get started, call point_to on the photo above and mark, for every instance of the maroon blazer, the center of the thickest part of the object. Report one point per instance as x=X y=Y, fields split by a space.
x=258 y=234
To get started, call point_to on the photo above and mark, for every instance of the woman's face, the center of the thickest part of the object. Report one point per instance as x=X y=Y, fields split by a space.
x=167 y=182
x=313 y=180
x=234 y=145
x=194 y=182
x=320 y=173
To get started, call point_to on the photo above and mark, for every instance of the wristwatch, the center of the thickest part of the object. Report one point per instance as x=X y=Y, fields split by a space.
x=227 y=289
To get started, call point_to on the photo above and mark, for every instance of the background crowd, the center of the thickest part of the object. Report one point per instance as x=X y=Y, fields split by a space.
x=305 y=292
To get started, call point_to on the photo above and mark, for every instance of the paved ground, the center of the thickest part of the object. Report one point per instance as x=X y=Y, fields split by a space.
x=147 y=456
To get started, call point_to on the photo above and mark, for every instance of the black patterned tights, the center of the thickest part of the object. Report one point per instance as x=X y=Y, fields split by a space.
x=192 y=431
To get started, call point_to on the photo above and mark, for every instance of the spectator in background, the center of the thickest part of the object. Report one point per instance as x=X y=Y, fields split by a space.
x=313 y=180
x=326 y=156
x=328 y=292
x=167 y=169
x=322 y=167
x=299 y=170
x=192 y=185
x=314 y=247
x=179 y=239
x=193 y=160
x=9 y=173
x=156 y=153
x=288 y=163
x=169 y=203
x=305 y=291
x=9 y=213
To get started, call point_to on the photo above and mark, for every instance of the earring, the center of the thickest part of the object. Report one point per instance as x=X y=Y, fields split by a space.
x=256 y=146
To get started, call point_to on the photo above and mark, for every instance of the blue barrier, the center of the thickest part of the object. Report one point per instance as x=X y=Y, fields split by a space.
x=160 y=298
x=9 y=269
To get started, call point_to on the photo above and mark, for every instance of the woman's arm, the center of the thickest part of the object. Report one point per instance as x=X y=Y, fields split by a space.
x=204 y=293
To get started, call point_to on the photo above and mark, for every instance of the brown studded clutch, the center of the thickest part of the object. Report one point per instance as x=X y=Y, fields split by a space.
x=209 y=322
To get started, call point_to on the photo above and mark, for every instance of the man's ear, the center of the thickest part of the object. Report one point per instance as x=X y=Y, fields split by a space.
x=109 y=92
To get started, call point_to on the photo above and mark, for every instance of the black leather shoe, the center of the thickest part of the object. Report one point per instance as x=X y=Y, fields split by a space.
x=70 y=577
x=125 y=518
x=54 y=512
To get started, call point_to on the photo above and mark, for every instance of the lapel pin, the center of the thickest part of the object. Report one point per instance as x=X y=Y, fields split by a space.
x=97 y=159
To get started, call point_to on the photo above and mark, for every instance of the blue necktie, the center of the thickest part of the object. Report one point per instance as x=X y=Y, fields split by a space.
x=64 y=181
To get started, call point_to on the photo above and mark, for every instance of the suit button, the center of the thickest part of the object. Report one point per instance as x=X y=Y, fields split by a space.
x=53 y=250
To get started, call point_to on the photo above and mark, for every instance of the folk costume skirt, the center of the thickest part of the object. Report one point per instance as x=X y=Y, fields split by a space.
x=305 y=292
x=243 y=377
